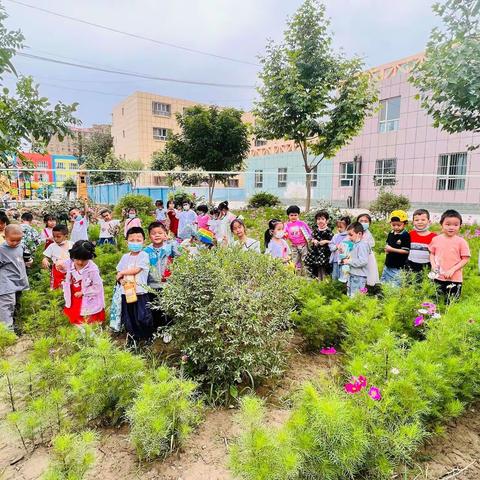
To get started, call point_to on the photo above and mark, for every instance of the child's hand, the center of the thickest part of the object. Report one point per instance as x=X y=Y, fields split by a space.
x=29 y=263
x=449 y=273
x=324 y=242
x=346 y=261
x=45 y=263
x=60 y=266
x=388 y=249
x=315 y=242
x=77 y=294
x=119 y=276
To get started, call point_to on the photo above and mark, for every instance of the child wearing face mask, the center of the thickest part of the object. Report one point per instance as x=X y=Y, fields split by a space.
x=339 y=249
x=373 y=278
x=80 y=225
x=420 y=239
x=318 y=257
x=131 y=221
x=58 y=253
x=186 y=221
x=132 y=275
x=275 y=244
x=83 y=286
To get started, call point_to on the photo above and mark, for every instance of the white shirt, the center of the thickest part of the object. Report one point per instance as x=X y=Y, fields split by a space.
x=58 y=253
x=250 y=245
x=142 y=261
x=161 y=214
x=186 y=222
x=79 y=230
x=107 y=229
x=46 y=234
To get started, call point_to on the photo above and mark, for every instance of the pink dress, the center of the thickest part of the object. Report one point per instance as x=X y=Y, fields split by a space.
x=130 y=223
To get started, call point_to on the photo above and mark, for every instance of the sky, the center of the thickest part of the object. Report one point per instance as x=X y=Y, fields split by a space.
x=379 y=31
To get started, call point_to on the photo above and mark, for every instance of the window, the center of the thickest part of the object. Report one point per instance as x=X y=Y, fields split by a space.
x=385 y=171
x=162 y=109
x=160 y=133
x=346 y=174
x=42 y=164
x=282 y=177
x=260 y=142
x=389 y=115
x=452 y=169
x=314 y=177
x=73 y=166
x=60 y=165
x=232 y=183
x=258 y=178
x=44 y=177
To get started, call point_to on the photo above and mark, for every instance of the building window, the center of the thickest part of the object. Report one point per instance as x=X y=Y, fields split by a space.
x=160 y=133
x=73 y=166
x=258 y=178
x=60 y=165
x=346 y=174
x=42 y=164
x=260 y=142
x=389 y=115
x=162 y=109
x=452 y=170
x=282 y=177
x=314 y=177
x=385 y=172
x=232 y=183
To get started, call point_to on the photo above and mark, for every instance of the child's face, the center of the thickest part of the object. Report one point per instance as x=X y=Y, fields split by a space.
x=107 y=216
x=421 y=221
x=51 y=223
x=451 y=226
x=59 y=237
x=2 y=226
x=238 y=230
x=158 y=205
x=293 y=217
x=79 y=264
x=397 y=227
x=74 y=214
x=322 y=222
x=363 y=220
x=278 y=232
x=13 y=239
x=341 y=227
x=135 y=238
x=131 y=212
x=158 y=235
x=354 y=236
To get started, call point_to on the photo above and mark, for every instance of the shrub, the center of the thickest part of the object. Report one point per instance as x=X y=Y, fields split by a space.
x=142 y=203
x=231 y=311
x=7 y=338
x=333 y=212
x=387 y=202
x=163 y=414
x=60 y=209
x=263 y=199
x=180 y=196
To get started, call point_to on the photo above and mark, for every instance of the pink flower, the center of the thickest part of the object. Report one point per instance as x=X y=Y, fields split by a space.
x=184 y=358
x=363 y=291
x=418 y=321
x=328 y=351
x=362 y=381
x=477 y=233
x=352 y=387
x=374 y=394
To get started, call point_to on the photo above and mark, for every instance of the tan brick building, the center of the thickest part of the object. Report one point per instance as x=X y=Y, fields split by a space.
x=70 y=145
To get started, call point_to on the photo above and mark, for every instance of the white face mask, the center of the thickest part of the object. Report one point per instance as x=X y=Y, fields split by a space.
x=186 y=207
x=279 y=234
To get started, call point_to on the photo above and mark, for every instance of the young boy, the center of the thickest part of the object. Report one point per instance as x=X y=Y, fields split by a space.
x=299 y=234
x=449 y=253
x=186 y=221
x=13 y=274
x=80 y=225
x=31 y=238
x=397 y=249
x=160 y=212
x=132 y=274
x=58 y=252
x=337 y=246
x=357 y=260
x=109 y=228
x=420 y=239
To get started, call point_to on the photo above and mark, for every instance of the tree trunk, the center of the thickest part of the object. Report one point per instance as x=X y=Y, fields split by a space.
x=211 y=188
x=308 y=185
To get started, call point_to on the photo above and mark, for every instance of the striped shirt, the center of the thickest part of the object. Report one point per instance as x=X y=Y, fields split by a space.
x=419 y=247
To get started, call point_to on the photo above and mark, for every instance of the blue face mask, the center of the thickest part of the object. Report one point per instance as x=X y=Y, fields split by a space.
x=78 y=218
x=131 y=215
x=365 y=226
x=135 y=247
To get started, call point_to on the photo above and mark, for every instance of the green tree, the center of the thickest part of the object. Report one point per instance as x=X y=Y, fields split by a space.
x=449 y=77
x=110 y=163
x=69 y=185
x=26 y=116
x=166 y=161
x=311 y=94
x=132 y=170
x=99 y=145
x=210 y=140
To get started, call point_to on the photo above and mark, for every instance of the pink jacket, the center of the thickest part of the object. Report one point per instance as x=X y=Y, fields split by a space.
x=92 y=288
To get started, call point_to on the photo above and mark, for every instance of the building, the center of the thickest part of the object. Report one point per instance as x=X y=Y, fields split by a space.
x=43 y=165
x=71 y=145
x=64 y=166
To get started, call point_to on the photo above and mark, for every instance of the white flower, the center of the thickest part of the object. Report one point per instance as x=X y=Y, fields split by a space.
x=436 y=315
x=423 y=311
x=394 y=371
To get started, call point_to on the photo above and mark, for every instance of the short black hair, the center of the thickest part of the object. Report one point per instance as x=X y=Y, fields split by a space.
x=104 y=210
x=154 y=225
x=60 y=228
x=346 y=220
x=203 y=209
x=365 y=215
x=214 y=211
x=159 y=201
x=82 y=250
x=133 y=230
x=322 y=214
x=293 y=209
x=223 y=205
x=4 y=219
x=357 y=227
x=421 y=211
x=47 y=218
x=237 y=220
x=450 y=214
x=73 y=208
x=27 y=216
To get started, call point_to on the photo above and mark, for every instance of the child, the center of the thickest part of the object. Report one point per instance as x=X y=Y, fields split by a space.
x=31 y=239
x=58 y=253
x=337 y=247
x=83 y=287
x=372 y=278
x=160 y=212
x=47 y=233
x=298 y=233
x=172 y=217
x=214 y=222
x=131 y=221
x=186 y=221
x=420 y=239
x=13 y=274
x=133 y=270
x=239 y=230
x=80 y=225
x=449 y=253
x=397 y=249
x=225 y=218
x=4 y=221
x=109 y=228
x=318 y=258
x=203 y=218
x=358 y=259
x=275 y=244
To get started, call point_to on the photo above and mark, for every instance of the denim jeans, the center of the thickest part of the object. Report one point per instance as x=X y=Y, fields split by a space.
x=392 y=276
x=355 y=284
x=103 y=241
x=335 y=271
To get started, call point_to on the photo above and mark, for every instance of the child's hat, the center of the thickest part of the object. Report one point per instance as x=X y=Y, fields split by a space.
x=400 y=214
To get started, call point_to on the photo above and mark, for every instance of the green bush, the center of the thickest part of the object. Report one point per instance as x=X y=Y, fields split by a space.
x=333 y=212
x=60 y=208
x=142 y=203
x=163 y=414
x=180 y=196
x=7 y=338
x=231 y=312
x=263 y=199
x=387 y=202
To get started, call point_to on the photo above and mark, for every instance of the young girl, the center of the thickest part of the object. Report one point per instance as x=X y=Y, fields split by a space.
x=83 y=287
x=238 y=229
x=225 y=217
x=186 y=221
x=372 y=278
x=172 y=217
x=318 y=257
x=58 y=252
x=214 y=222
x=203 y=218
x=275 y=244
x=336 y=246
x=131 y=221
x=79 y=227
x=47 y=233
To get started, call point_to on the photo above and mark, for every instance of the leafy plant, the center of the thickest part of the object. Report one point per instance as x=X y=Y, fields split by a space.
x=387 y=202
x=141 y=203
x=7 y=338
x=60 y=209
x=163 y=414
x=263 y=199
x=333 y=212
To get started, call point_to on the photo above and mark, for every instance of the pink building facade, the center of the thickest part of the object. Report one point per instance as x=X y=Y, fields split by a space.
x=399 y=150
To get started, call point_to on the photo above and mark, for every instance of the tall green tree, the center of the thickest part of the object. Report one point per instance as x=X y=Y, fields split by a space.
x=309 y=93
x=99 y=145
x=25 y=116
x=132 y=170
x=449 y=78
x=106 y=169
x=166 y=161
x=211 y=140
